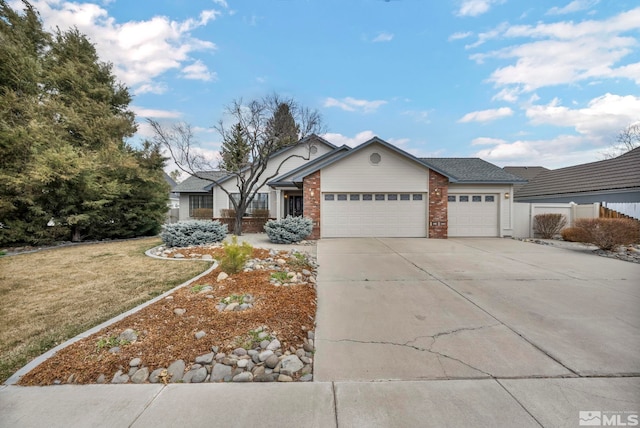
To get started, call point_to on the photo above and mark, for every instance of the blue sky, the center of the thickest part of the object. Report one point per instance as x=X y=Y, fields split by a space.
x=514 y=82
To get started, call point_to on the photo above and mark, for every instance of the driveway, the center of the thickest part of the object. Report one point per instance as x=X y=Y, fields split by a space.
x=420 y=309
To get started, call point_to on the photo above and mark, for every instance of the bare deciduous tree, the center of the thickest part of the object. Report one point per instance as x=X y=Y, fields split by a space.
x=245 y=178
x=627 y=140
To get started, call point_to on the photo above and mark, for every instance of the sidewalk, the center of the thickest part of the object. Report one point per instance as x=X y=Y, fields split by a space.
x=460 y=403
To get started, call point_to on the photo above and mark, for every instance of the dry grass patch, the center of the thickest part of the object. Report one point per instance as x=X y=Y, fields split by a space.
x=50 y=296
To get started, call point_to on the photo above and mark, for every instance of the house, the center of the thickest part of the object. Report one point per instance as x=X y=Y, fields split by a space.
x=375 y=189
x=614 y=180
x=174 y=198
x=526 y=172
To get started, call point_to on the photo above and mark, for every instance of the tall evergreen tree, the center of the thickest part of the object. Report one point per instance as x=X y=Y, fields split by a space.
x=235 y=150
x=64 y=122
x=282 y=127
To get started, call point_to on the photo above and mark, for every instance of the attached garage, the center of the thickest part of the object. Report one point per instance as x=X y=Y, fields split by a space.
x=374 y=214
x=471 y=214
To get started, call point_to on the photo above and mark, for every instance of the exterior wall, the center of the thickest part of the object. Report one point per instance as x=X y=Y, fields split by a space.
x=221 y=200
x=183 y=210
x=356 y=173
x=311 y=202
x=437 y=213
x=505 y=210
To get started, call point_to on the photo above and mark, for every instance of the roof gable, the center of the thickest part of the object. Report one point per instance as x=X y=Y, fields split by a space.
x=622 y=172
x=296 y=175
x=195 y=184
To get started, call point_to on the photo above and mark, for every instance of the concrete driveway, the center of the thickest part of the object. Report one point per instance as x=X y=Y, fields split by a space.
x=420 y=309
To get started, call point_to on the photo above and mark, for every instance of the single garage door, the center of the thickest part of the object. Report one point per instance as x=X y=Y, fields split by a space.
x=473 y=214
x=373 y=214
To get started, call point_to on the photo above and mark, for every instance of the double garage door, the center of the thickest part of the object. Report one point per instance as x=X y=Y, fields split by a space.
x=374 y=215
x=472 y=214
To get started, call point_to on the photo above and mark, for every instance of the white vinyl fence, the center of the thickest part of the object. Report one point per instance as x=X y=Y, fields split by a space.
x=525 y=212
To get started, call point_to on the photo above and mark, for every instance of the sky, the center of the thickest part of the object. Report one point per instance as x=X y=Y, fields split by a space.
x=514 y=82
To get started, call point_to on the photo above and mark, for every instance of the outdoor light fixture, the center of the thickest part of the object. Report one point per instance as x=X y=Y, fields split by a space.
x=506 y=195
x=286 y=196
x=437 y=191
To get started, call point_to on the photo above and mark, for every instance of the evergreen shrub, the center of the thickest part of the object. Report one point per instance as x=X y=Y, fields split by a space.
x=187 y=233
x=235 y=255
x=288 y=230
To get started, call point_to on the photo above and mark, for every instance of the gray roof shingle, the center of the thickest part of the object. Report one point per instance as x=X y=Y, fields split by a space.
x=472 y=170
x=199 y=185
x=622 y=172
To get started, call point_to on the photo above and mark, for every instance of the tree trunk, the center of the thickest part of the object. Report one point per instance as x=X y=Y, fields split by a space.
x=75 y=234
x=238 y=226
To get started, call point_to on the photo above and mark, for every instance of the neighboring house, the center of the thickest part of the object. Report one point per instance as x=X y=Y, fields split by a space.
x=526 y=172
x=375 y=189
x=612 y=180
x=174 y=198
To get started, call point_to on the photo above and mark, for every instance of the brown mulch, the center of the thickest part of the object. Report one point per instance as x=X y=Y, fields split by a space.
x=163 y=337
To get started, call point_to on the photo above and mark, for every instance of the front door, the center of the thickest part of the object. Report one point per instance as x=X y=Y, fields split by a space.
x=295 y=205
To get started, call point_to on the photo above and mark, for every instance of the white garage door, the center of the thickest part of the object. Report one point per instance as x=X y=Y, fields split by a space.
x=473 y=214
x=373 y=214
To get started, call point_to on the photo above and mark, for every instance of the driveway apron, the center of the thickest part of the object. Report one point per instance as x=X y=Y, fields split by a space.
x=418 y=309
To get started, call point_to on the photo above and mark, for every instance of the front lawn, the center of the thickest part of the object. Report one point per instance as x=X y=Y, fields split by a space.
x=50 y=296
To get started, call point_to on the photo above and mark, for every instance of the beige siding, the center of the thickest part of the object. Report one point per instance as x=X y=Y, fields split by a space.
x=356 y=173
x=221 y=200
x=184 y=207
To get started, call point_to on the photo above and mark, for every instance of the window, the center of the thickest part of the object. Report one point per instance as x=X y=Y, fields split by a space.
x=392 y=197
x=354 y=197
x=476 y=198
x=200 y=203
x=417 y=197
x=489 y=198
x=379 y=197
x=259 y=202
x=405 y=197
x=367 y=197
x=342 y=197
x=328 y=197
x=451 y=198
x=464 y=199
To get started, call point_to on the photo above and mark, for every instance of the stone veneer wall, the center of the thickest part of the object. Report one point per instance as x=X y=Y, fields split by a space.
x=311 y=202
x=438 y=205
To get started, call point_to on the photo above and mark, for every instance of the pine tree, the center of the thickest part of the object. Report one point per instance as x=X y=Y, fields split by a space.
x=282 y=127
x=235 y=150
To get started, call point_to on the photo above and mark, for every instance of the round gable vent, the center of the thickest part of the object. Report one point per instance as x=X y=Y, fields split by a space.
x=375 y=158
x=313 y=150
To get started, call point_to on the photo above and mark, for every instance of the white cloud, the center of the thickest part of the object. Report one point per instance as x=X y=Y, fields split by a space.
x=339 y=139
x=486 y=115
x=484 y=141
x=562 y=53
x=352 y=104
x=158 y=114
x=140 y=50
x=383 y=37
x=476 y=7
x=574 y=6
x=600 y=121
x=560 y=151
x=198 y=71
x=421 y=116
x=460 y=36
x=152 y=87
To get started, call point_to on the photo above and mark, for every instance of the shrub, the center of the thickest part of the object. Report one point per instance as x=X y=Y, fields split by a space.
x=574 y=234
x=186 y=233
x=227 y=213
x=202 y=213
x=235 y=255
x=261 y=213
x=548 y=225
x=288 y=230
x=609 y=233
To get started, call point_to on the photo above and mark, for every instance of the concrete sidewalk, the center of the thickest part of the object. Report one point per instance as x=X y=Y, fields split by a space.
x=459 y=403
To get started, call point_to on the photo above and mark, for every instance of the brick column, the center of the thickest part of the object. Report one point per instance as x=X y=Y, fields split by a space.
x=438 y=203
x=311 y=202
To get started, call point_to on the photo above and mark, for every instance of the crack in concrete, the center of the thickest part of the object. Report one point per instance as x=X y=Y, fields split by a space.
x=428 y=350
